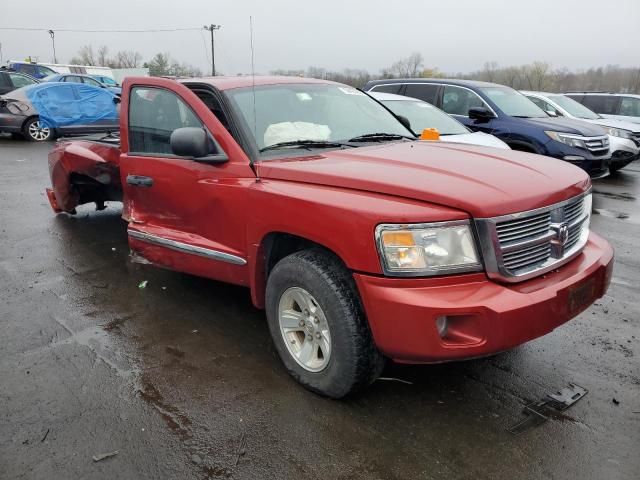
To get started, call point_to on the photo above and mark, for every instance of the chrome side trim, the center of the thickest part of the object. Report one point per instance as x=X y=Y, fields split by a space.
x=186 y=248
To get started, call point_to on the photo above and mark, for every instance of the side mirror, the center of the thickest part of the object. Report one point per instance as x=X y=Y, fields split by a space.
x=404 y=121
x=481 y=114
x=195 y=143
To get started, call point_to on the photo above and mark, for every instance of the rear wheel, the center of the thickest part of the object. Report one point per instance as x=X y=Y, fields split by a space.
x=35 y=131
x=318 y=325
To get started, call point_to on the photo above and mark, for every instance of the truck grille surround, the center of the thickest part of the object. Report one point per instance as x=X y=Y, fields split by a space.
x=523 y=245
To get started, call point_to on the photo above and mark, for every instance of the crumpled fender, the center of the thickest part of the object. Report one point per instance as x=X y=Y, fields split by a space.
x=99 y=162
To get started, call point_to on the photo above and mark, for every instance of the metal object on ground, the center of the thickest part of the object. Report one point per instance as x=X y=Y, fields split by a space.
x=539 y=412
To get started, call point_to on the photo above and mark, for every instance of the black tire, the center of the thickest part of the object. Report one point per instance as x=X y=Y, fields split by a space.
x=29 y=135
x=355 y=362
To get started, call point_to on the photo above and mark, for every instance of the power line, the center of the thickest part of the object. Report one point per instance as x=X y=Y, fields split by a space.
x=72 y=30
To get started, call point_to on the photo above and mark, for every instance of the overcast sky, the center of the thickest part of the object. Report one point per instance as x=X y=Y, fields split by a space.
x=455 y=36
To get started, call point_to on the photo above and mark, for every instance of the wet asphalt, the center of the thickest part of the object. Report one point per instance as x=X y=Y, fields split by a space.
x=180 y=378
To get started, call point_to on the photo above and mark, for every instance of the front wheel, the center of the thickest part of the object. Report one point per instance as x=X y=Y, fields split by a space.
x=318 y=325
x=36 y=131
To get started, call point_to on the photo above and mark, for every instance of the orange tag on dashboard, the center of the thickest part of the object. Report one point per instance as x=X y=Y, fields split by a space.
x=430 y=134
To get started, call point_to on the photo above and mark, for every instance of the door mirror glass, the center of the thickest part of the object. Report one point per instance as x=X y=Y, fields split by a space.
x=481 y=114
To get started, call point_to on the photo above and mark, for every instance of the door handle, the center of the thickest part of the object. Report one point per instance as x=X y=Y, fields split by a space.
x=139 y=181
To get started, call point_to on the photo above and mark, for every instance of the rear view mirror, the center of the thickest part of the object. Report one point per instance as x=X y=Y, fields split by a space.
x=481 y=114
x=404 y=121
x=551 y=113
x=195 y=143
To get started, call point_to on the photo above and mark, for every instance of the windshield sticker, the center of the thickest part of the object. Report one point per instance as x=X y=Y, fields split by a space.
x=350 y=91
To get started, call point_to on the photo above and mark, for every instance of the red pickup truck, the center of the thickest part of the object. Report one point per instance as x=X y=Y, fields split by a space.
x=360 y=242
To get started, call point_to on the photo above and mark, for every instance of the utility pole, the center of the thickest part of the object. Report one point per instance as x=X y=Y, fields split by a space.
x=53 y=41
x=211 y=28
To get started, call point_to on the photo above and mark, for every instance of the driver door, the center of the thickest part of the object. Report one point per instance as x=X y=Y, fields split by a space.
x=185 y=214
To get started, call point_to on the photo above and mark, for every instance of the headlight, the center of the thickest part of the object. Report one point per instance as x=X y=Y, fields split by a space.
x=567 y=139
x=618 y=132
x=427 y=249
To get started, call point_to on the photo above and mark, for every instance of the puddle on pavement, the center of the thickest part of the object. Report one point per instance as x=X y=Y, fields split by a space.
x=630 y=217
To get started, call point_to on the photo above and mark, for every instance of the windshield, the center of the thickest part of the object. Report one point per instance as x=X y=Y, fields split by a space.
x=108 y=81
x=513 y=103
x=574 y=108
x=316 y=112
x=421 y=115
x=51 y=78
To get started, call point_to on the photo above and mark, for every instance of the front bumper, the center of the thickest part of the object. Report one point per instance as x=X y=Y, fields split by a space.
x=623 y=151
x=484 y=317
x=11 y=123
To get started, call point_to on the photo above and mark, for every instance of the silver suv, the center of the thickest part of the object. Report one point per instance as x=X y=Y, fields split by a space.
x=623 y=106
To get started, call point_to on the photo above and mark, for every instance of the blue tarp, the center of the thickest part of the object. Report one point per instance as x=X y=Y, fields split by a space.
x=65 y=104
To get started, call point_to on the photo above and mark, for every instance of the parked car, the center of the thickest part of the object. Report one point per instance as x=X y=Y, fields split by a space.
x=623 y=106
x=10 y=80
x=360 y=242
x=624 y=137
x=422 y=115
x=86 y=79
x=510 y=116
x=32 y=69
x=108 y=81
x=47 y=110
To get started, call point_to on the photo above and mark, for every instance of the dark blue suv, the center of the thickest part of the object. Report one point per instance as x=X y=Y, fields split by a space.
x=510 y=116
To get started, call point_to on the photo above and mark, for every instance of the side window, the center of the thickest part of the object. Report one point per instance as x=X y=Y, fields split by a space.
x=458 y=101
x=28 y=69
x=606 y=104
x=547 y=107
x=154 y=114
x=73 y=79
x=395 y=88
x=424 y=92
x=630 y=106
x=91 y=81
x=20 y=80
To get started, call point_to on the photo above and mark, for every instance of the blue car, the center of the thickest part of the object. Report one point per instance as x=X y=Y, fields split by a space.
x=86 y=79
x=47 y=110
x=510 y=116
x=32 y=69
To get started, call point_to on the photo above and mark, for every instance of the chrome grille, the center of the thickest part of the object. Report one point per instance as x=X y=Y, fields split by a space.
x=597 y=144
x=526 y=244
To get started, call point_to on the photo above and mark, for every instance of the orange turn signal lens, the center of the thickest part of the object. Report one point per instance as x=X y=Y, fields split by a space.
x=398 y=239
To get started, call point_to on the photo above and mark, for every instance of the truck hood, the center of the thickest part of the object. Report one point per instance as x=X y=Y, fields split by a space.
x=567 y=125
x=484 y=182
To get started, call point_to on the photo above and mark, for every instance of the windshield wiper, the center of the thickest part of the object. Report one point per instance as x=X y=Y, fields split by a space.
x=309 y=144
x=379 y=137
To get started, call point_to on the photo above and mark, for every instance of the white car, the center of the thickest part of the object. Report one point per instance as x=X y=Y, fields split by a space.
x=624 y=136
x=622 y=106
x=423 y=115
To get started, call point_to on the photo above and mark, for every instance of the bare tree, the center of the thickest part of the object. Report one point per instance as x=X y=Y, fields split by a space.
x=407 y=67
x=127 y=59
x=85 y=56
x=103 y=56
